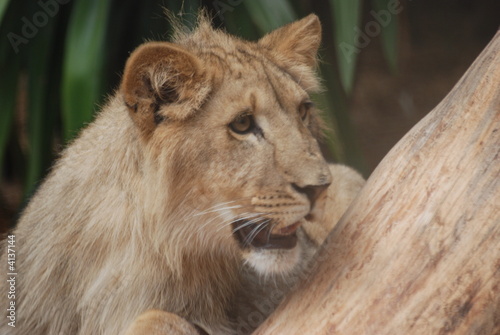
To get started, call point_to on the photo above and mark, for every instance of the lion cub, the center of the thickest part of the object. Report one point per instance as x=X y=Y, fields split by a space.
x=195 y=200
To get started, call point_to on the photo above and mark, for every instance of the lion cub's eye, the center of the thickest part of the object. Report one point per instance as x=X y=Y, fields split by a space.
x=243 y=124
x=304 y=109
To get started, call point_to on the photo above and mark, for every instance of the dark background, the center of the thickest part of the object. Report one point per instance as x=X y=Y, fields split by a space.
x=437 y=42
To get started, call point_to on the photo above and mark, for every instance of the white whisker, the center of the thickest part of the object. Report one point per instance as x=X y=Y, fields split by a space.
x=238 y=218
x=218 y=216
x=217 y=210
x=221 y=204
x=217 y=206
x=256 y=231
x=248 y=223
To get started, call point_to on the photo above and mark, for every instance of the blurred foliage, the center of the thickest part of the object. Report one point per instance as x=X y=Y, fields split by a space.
x=347 y=14
x=58 y=59
x=84 y=47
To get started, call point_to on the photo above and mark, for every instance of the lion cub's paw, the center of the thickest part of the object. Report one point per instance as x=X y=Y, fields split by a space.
x=155 y=322
x=332 y=204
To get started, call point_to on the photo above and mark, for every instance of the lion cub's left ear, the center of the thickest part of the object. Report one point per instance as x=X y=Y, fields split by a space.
x=162 y=81
x=297 y=42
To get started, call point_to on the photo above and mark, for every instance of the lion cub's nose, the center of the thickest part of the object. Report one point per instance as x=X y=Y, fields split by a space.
x=312 y=191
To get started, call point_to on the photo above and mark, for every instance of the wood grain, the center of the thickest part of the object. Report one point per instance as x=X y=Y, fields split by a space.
x=418 y=252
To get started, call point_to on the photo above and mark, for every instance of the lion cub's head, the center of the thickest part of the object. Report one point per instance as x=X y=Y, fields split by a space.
x=230 y=126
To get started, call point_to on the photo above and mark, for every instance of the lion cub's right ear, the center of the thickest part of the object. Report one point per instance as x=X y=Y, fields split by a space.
x=162 y=81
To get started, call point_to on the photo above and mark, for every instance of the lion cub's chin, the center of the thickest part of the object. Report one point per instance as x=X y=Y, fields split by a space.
x=269 y=262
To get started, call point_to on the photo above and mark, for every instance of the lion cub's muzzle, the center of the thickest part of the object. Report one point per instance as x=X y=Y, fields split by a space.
x=268 y=233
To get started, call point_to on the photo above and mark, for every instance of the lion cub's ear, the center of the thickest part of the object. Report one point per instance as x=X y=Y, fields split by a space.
x=162 y=81
x=297 y=42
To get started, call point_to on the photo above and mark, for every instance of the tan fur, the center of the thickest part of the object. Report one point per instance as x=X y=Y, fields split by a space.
x=160 y=322
x=136 y=214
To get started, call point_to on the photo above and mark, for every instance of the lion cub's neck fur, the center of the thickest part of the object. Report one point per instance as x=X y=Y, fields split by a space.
x=92 y=171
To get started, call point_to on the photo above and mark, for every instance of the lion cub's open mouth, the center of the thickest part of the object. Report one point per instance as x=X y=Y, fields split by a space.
x=263 y=238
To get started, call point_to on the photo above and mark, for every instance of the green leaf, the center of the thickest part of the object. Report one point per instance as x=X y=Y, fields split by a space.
x=347 y=19
x=237 y=21
x=3 y=7
x=9 y=68
x=40 y=118
x=389 y=24
x=83 y=60
x=8 y=88
x=269 y=15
